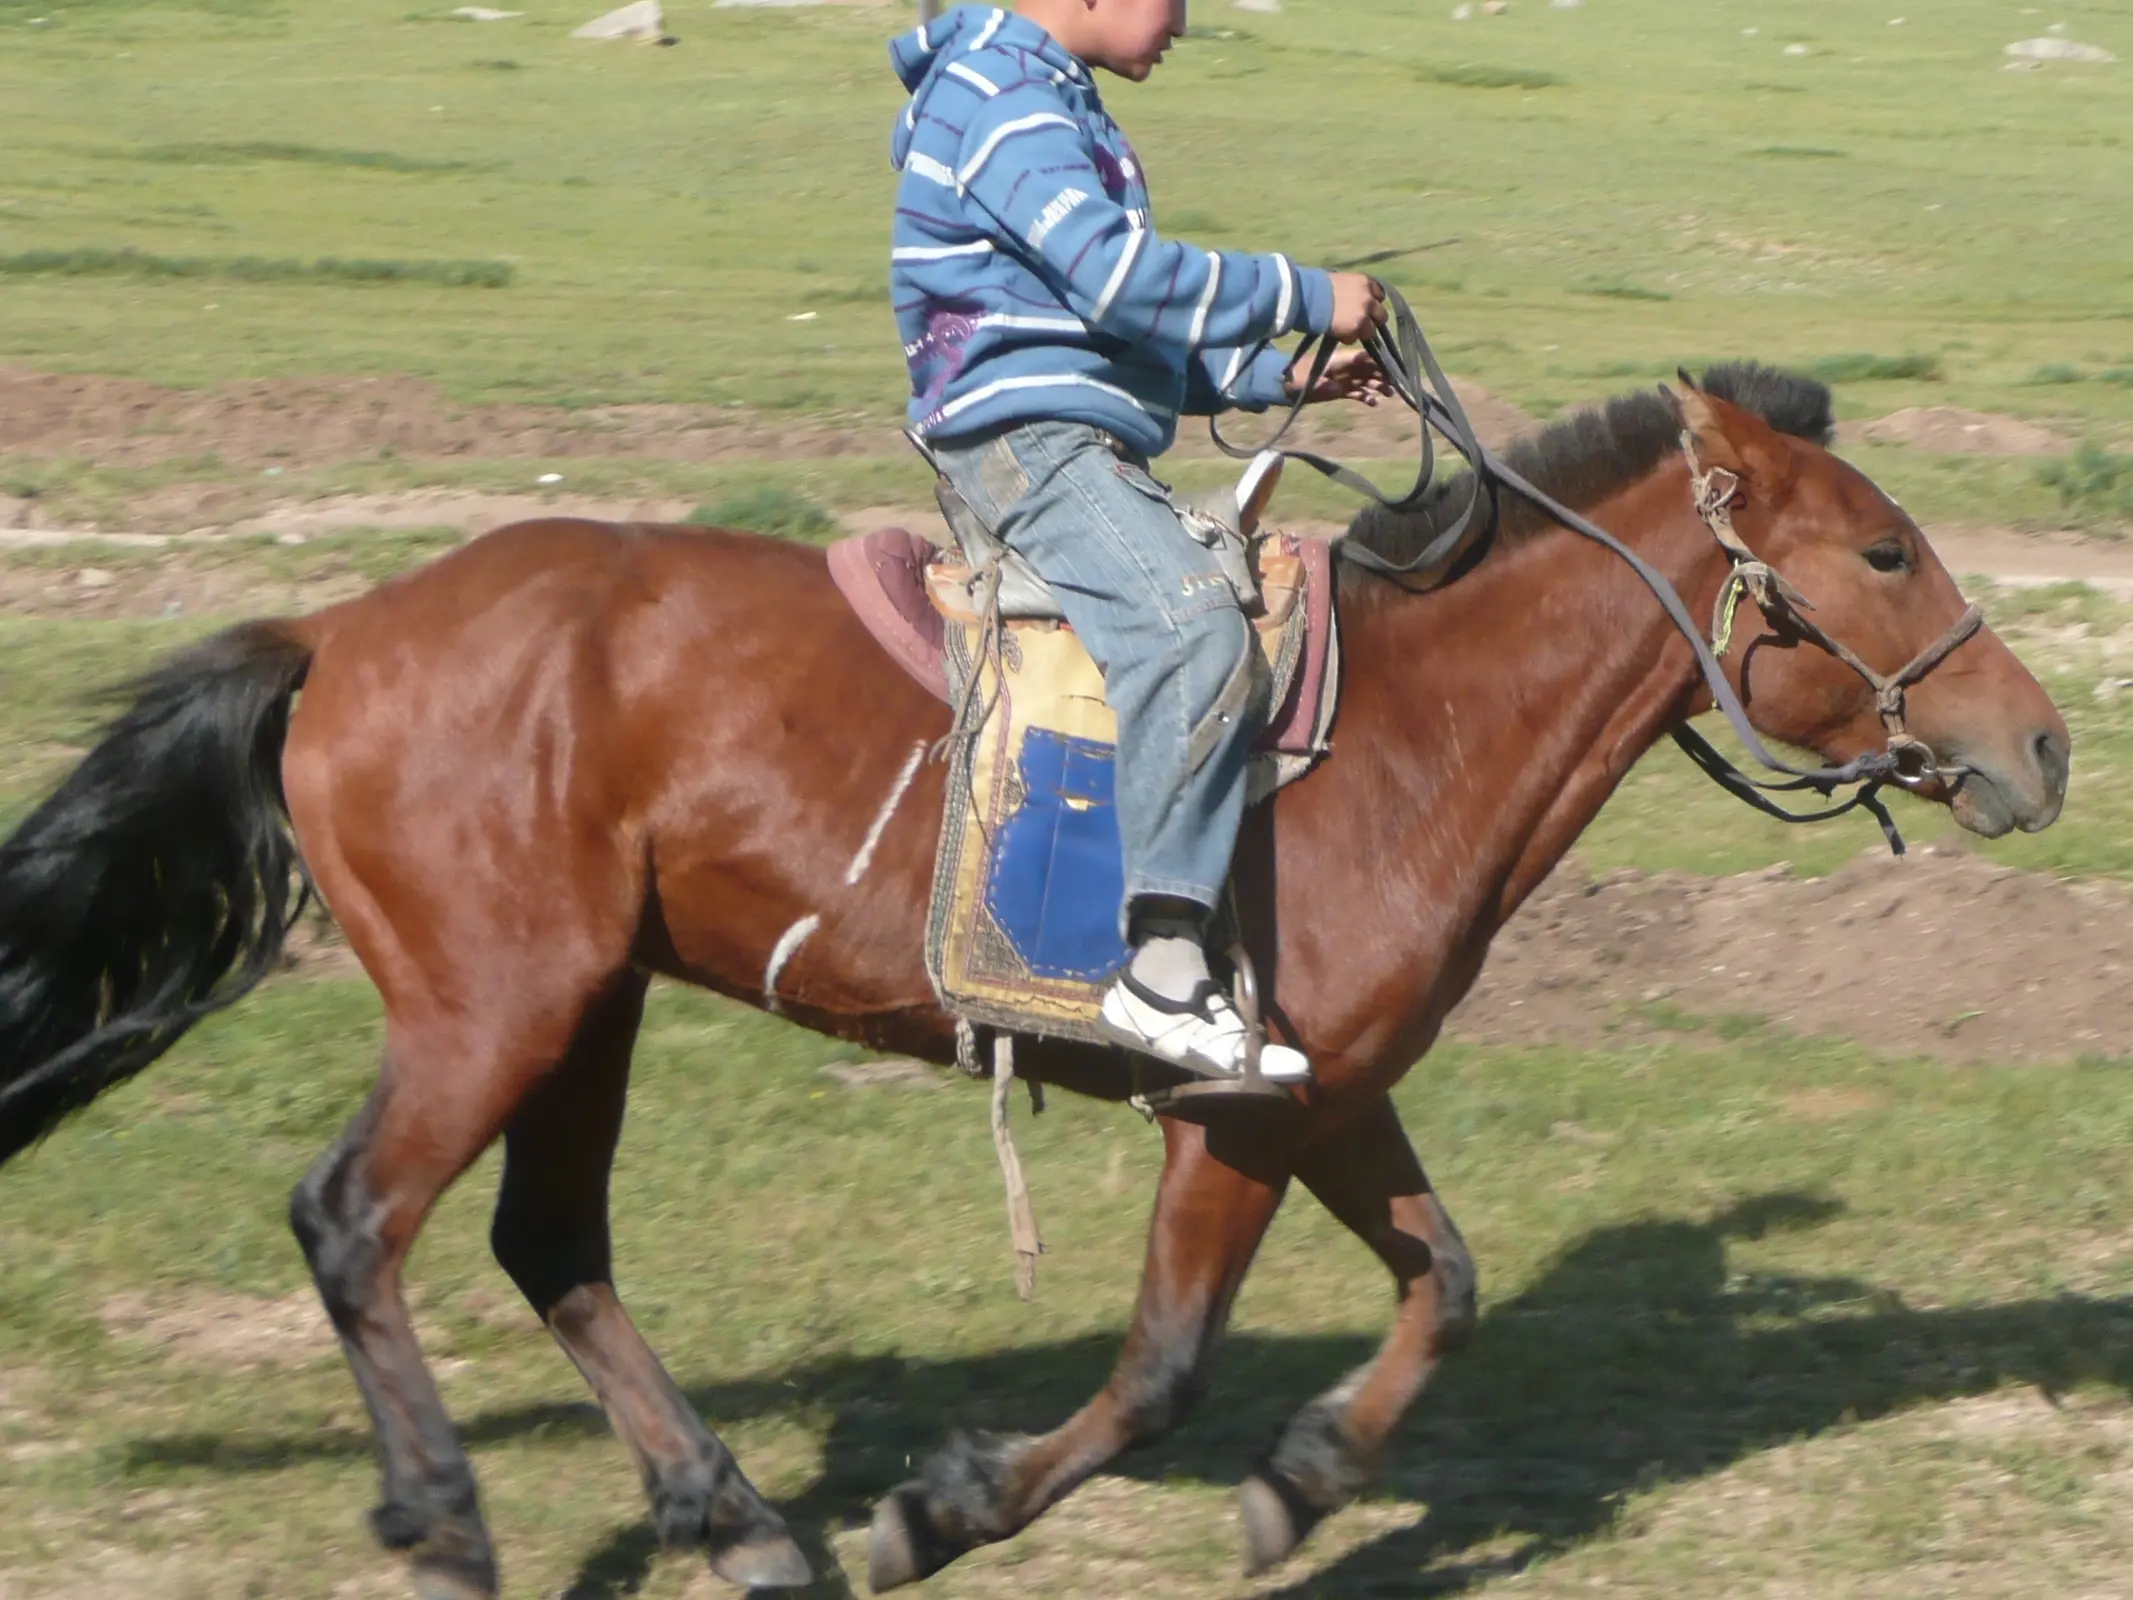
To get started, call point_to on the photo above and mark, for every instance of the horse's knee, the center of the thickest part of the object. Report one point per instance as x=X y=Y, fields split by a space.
x=331 y=1214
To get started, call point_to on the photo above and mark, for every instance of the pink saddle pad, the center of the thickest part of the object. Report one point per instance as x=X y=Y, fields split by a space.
x=882 y=578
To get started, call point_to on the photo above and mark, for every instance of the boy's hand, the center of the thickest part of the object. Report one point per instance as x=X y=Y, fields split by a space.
x=1351 y=375
x=1358 y=306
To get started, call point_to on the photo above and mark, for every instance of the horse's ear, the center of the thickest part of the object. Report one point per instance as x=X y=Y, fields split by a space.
x=1732 y=437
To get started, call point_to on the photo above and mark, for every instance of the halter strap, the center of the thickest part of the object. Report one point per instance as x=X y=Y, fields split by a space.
x=1784 y=606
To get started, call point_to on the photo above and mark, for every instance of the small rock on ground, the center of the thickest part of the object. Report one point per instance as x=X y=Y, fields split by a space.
x=641 y=19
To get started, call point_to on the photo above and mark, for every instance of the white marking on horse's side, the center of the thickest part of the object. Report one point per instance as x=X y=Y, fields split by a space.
x=788 y=941
x=865 y=858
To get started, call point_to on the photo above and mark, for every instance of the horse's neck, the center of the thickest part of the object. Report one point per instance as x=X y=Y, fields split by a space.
x=1486 y=725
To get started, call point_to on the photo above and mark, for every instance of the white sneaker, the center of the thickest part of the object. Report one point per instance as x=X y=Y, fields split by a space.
x=1203 y=1035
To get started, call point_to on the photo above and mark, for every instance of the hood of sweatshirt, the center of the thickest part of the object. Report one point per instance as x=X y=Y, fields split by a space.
x=923 y=55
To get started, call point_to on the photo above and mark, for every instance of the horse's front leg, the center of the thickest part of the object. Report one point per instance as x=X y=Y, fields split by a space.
x=1368 y=1175
x=1218 y=1193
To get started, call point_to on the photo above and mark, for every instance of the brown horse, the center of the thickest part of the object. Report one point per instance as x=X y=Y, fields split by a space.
x=573 y=754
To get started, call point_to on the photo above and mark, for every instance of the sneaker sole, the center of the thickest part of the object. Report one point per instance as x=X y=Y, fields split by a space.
x=1128 y=1040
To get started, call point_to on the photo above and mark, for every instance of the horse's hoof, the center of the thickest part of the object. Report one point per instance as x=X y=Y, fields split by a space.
x=767 y=1561
x=902 y=1548
x=1276 y=1521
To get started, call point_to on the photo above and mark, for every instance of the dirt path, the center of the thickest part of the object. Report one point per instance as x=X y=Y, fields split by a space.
x=125 y=422
x=1937 y=954
x=2026 y=559
x=191 y=574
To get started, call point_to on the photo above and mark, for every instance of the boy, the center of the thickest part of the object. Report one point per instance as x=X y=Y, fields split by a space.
x=1053 y=341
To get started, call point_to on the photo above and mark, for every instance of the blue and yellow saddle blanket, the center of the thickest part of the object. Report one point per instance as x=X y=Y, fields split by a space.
x=1024 y=929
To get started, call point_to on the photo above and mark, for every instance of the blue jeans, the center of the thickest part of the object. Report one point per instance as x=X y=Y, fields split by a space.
x=1180 y=667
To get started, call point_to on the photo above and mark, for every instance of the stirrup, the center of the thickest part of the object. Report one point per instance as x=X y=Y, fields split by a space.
x=1205 y=1099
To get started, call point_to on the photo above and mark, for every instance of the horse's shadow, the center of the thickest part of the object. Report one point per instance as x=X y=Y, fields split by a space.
x=1637 y=1358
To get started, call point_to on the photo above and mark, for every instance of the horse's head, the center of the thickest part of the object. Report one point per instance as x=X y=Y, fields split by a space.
x=1875 y=586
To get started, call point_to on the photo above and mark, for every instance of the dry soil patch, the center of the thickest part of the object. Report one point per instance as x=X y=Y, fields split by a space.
x=1937 y=954
x=223 y=1330
x=269 y=421
x=1950 y=430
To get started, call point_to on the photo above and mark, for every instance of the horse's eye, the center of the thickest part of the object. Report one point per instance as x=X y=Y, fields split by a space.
x=1888 y=556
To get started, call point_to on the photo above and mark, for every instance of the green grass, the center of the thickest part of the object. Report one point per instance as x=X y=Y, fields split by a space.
x=1862 y=367
x=2095 y=484
x=1623 y=291
x=1478 y=75
x=770 y=508
x=52 y=675
x=131 y=263
x=1712 y=1268
x=203 y=155
x=655 y=205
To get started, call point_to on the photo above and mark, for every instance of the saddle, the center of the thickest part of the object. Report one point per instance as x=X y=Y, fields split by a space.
x=1023 y=932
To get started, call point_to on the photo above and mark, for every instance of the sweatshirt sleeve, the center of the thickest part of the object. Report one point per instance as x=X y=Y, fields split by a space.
x=1243 y=379
x=1023 y=162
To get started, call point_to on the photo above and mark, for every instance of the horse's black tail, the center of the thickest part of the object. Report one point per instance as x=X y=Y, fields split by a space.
x=156 y=885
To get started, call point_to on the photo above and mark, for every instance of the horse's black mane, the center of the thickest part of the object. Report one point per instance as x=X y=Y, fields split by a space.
x=1591 y=453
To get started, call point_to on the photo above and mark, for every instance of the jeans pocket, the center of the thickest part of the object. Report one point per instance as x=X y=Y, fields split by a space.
x=1207 y=583
x=1146 y=482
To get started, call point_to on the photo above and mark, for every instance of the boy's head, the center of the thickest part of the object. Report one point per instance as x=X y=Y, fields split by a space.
x=1127 y=37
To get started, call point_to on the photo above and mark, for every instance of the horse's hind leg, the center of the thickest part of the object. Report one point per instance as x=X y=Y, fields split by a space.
x=551 y=1236
x=1368 y=1175
x=356 y=1214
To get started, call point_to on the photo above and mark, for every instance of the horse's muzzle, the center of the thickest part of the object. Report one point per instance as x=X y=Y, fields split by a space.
x=2022 y=788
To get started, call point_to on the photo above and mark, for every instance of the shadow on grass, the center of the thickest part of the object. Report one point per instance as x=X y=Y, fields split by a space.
x=1637 y=1358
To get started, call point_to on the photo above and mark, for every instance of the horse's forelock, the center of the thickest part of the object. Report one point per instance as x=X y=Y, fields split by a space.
x=1788 y=401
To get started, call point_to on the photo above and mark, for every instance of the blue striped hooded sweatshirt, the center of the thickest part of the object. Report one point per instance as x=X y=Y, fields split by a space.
x=1028 y=281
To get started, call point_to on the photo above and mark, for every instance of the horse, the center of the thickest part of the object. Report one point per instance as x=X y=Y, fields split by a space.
x=572 y=755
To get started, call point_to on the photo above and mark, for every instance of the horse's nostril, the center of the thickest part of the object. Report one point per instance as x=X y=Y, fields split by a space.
x=2053 y=758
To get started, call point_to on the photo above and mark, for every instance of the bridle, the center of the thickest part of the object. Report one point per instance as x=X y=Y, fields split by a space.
x=1904 y=761
x=1785 y=609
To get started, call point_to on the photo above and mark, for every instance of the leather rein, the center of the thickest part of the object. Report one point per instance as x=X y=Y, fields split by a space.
x=1410 y=367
